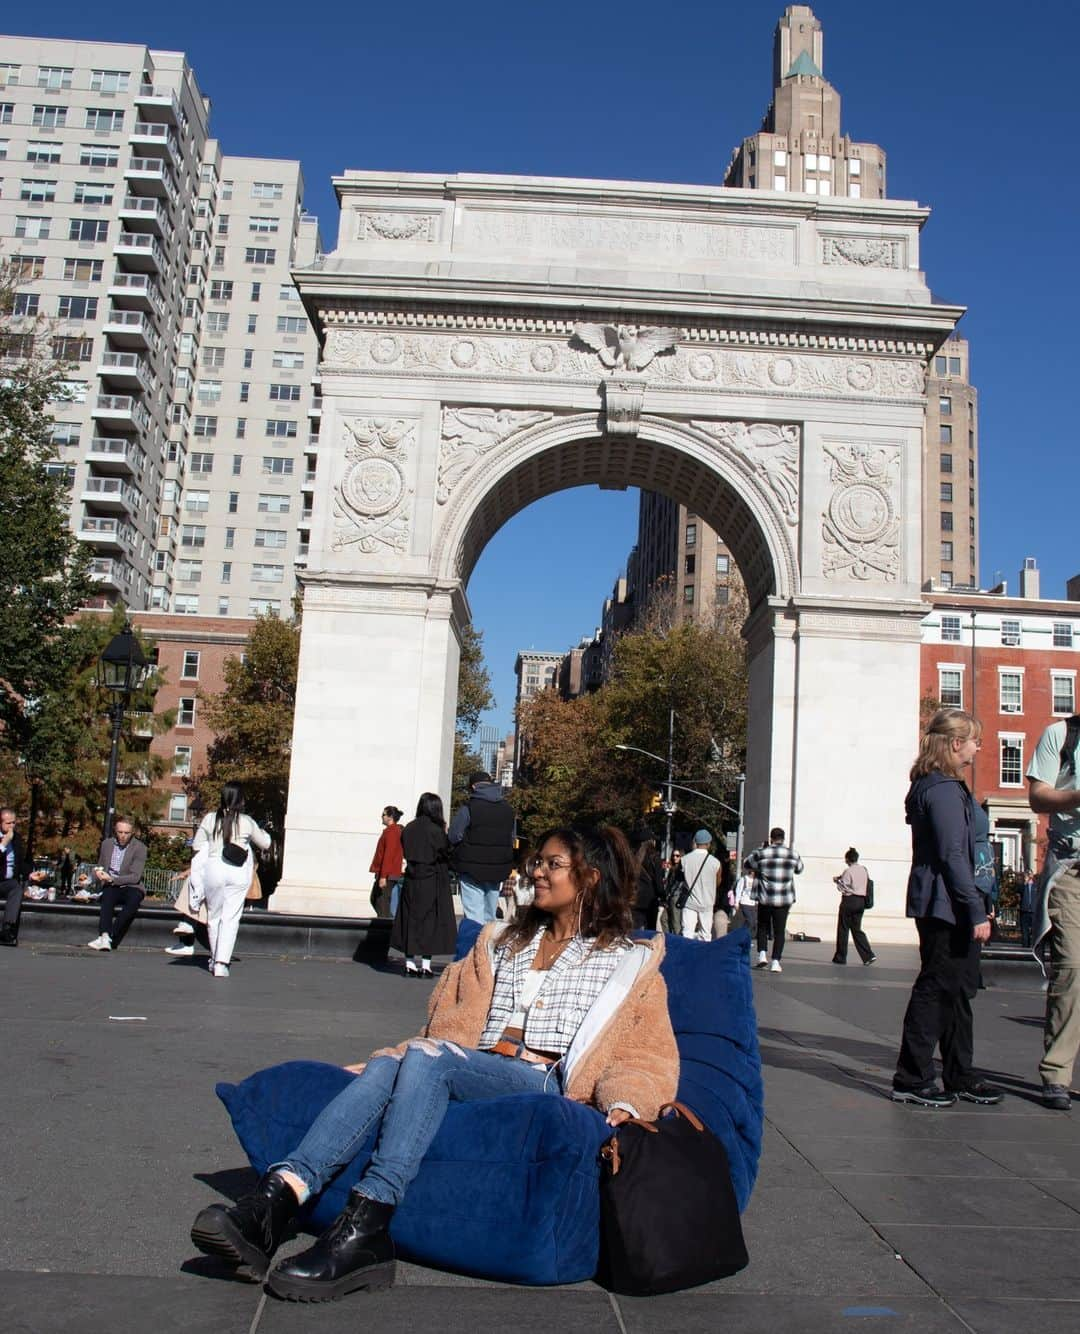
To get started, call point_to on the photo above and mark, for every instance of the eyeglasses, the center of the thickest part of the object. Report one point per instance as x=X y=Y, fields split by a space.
x=536 y=864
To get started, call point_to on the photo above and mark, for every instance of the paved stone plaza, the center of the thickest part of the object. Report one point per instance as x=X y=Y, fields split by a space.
x=865 y=1215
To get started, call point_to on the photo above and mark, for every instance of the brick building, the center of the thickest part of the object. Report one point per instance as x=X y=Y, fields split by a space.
x=1012 y=661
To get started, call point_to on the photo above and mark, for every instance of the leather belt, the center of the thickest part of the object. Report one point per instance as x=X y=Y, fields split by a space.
x=518 y=1050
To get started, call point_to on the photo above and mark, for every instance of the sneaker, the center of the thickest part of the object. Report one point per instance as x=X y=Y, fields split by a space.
x=1056 y=1097
x=927 y=1096
x=981 y=1093
x=762 y=958
x=867 y=962
x=774 y=967
x=182 y=930
x=99 y=943
x=220 y=969
x=181 y=949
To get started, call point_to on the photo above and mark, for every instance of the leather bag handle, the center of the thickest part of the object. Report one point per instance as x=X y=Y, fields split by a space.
x=681 y=1109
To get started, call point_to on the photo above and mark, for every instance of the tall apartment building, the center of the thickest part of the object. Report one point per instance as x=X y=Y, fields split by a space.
x=801 y=147
x=950 y=471
x=676 y=548
x=535 y=671
x=111 y=191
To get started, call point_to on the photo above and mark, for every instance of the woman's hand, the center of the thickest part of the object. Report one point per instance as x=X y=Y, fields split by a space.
x=357 y=1069
x=617 y=1116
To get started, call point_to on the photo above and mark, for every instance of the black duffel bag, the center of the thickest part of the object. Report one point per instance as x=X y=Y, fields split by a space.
x=668 y=1214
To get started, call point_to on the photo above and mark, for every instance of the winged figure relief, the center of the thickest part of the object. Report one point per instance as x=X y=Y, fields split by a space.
x=625 y=346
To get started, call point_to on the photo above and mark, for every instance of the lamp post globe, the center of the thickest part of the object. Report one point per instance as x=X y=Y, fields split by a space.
x=122 y=669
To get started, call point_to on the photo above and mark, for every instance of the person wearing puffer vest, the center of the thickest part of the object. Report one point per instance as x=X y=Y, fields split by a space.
x=482 y=847
x=560 y=1003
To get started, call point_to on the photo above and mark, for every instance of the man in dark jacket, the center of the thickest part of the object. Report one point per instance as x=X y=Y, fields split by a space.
x=482 y=846
x=14 y=871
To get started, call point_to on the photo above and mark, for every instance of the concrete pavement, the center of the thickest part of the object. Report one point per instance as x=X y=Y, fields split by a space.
x=866 y=1215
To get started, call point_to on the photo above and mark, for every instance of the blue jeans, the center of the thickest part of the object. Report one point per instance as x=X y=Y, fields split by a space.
x=411 y=1096
x=395 y=894
x=479 y=900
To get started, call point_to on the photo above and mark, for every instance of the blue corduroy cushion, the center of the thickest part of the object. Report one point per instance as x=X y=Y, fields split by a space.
x=508 y=1188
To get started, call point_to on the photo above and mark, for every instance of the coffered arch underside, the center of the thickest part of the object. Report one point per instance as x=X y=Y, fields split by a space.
x=753 y=507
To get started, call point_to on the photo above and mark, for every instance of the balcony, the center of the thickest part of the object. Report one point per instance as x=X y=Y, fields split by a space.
x=110 y=573
x=131 y=328
x=105 y=534
x=136 y=290
x=145 y=213
x=110 y=493
x=142 y=722
x=122 y=411
x=140 y=250
x=114 y=454
x=150 y=176
x=158 y=104
x=126 y=369
x=309 y=480
x=155 y=137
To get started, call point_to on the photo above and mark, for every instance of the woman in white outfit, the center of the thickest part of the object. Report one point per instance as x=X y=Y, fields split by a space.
x=221 y=871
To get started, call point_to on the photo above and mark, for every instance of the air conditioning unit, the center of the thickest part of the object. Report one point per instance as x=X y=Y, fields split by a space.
x=1012 y=708
x=1010 y=641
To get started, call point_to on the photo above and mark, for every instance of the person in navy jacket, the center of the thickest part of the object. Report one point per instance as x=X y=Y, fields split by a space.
x=950 y=917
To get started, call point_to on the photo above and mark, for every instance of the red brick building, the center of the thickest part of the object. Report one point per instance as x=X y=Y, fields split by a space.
x=1012 y=661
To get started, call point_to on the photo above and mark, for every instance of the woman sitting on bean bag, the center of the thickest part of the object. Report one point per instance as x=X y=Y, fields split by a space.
x=561 y=1002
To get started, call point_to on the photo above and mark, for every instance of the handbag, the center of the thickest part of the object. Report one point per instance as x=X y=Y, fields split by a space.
x=255 y=890
x=668 y=1214
x=235 y=854
x=869 y=893
x=183 y=904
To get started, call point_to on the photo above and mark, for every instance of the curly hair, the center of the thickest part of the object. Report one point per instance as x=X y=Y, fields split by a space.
x=606 y=915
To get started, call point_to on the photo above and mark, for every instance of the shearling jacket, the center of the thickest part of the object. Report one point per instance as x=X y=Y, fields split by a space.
x=624 y=1051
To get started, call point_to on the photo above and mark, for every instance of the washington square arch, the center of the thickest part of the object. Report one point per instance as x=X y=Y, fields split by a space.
x=758 y=357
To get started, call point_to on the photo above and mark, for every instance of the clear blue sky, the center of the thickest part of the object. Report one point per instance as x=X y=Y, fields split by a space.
x=973 y=103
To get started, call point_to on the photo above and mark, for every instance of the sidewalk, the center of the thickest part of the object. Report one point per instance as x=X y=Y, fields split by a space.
x=866 y=1215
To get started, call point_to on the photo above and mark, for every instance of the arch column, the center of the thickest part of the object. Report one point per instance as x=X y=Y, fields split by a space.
x=374 y=725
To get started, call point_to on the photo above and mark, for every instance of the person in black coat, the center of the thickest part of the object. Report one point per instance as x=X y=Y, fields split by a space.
x=950 y=916
x=425 y=924
x=650 y=881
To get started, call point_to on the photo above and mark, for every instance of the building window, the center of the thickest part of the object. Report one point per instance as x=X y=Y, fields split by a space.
x=230 y=538
x=197 y=502
x=256 y=291
x=44 y=153
x=223 y=606
x=945 y=579
x=226 y=571
x=209 y=391
x=181 y=764
x=193 y=535
x=264 y=607
x=1012 y=761
x=1010 y=633
x=273 y=538
x=88 y=229
x=288 y=361
x=946 y=463
x=221 y=289
x=178 y=803
x=26 y=268
x=26 y=303
x=271 y=504
x=291 y=324
x=202 y=464
x=91 y=192
x=77 y=308
x=723 y=595
x=688 y=593
x=945 y=405
x=264 y=226
x=204 y=426
x=277 y=467
x=104 y=119
x=241 y=427
x=82 y=270
x=98 y=155
x=217 y=321
x=950 y=629
x=185 y=713
x=946 y=521
x=1063 y=634
x=691 y=535
x=213 y=358
x=267 y=574
x=190 y=671
x=254 y=254
x=1063 y=693
x=251 y=323
x=285 y=393
x=266 y=190
x=186 y=604
x=945 y=434
x=780 y=183
x=946 y=551
x=691 y=564
x=951 y=687
x=49 y=118
x=954 y=365
x=723 y=564
x=1011 y=692
x=109 y=81
x=32 y=228
x=946 y=492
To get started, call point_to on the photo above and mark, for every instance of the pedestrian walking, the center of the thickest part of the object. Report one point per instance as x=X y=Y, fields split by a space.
x=482 y=843
x=676 y=892
x=1053 y=790
x=702 y=873
x=853 y=882
x=776 y=866
x=950 y=917
x=744 y=899
x=560 y=1004
x=387 y=865
x=425 y=924
x=221 y=872
x=119 y=873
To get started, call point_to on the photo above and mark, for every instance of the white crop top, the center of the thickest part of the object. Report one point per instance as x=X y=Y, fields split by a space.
x=530 y=989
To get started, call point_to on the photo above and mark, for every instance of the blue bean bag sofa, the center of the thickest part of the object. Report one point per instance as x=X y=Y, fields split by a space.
x=509 y=1187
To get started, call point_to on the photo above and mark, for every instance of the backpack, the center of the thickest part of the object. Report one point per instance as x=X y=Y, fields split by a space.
x=1068 y=750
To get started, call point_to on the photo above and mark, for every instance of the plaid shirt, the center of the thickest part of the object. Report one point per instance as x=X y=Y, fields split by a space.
x=776 y=866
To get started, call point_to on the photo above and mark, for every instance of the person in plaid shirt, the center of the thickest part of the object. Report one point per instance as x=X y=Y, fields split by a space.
x=776 y=866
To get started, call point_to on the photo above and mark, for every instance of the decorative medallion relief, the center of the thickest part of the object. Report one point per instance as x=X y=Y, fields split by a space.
x=865 y=252
x=570 y=359
x=371 y=502
x=771 y=450
x=861 y=527
x=470 y=433
x=396 y=226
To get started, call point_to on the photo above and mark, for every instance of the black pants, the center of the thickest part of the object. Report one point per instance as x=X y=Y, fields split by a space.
x=939 y=1011
x=849 y=918
x=128 y=897
x=13 y=891
x=776 y=918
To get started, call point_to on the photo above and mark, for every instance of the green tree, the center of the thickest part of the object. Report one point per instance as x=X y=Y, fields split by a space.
x=44 y=570
x=474 y=698
x=252 y=721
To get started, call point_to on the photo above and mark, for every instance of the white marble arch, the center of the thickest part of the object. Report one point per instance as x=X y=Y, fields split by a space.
x=785 y=407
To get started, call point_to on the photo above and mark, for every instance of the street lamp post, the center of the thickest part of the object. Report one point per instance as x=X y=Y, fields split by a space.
x=122 y=669
x=670 y=784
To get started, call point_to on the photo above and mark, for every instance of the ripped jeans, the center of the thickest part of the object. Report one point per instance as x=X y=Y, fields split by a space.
x=411 y=1094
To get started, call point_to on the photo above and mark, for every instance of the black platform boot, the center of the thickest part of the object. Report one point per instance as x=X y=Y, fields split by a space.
x=354 y=1252
x=248 y=1233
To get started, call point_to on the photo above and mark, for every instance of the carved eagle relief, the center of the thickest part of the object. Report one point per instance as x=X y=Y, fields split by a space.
x=625 y=346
